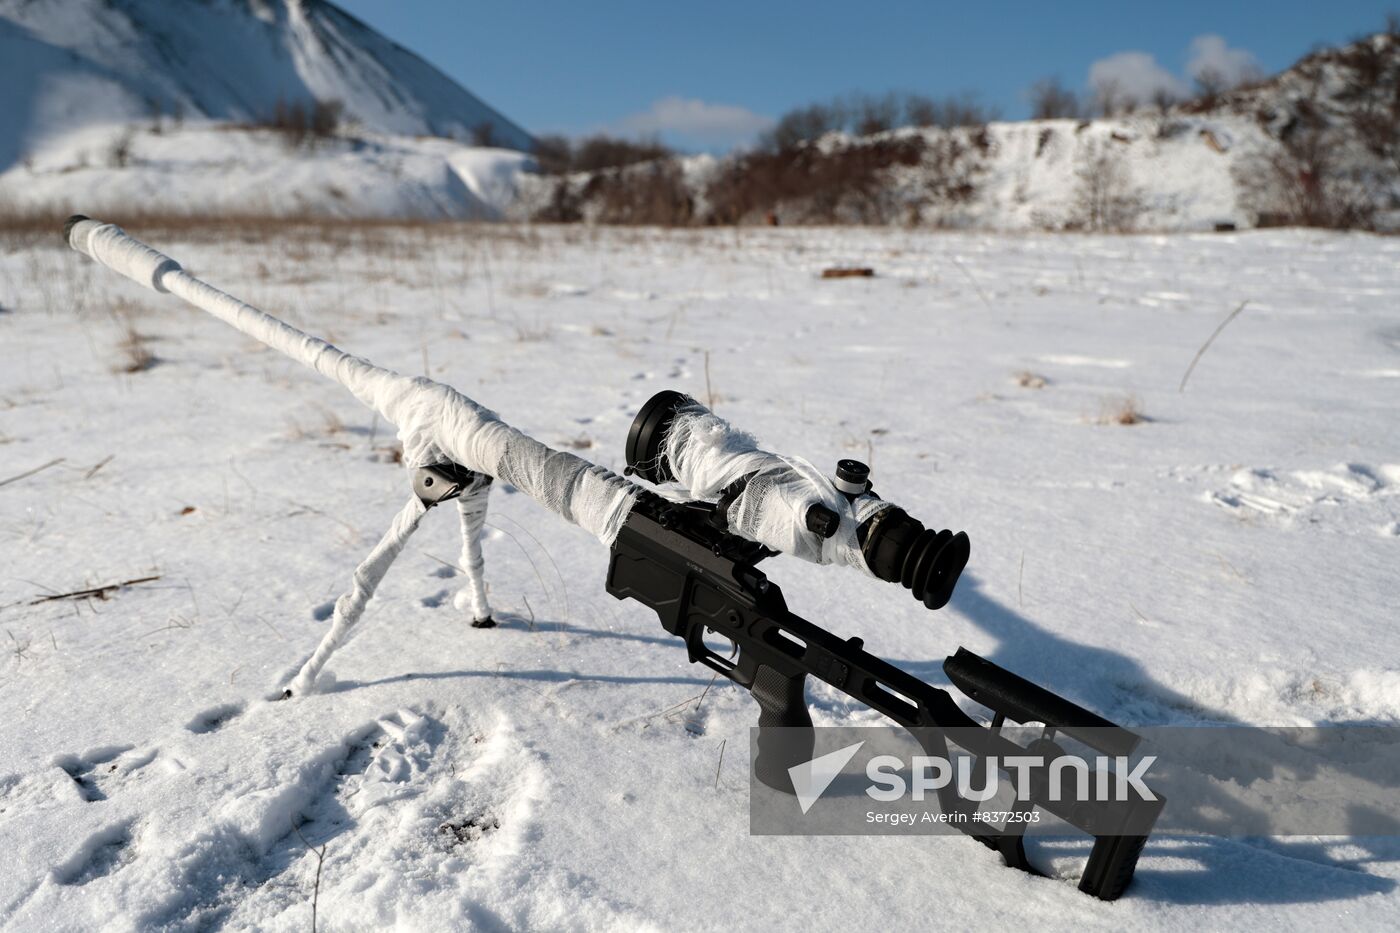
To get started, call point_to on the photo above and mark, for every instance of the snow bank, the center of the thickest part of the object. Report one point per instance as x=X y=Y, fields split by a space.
x=209 y=169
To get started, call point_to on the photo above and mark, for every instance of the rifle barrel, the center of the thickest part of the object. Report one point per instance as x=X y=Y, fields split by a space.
x=435 y=422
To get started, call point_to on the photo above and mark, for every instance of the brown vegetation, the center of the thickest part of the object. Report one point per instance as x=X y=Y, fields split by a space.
x=867 y=115
x=557 y=155
x=302 y=124
x=821 y=185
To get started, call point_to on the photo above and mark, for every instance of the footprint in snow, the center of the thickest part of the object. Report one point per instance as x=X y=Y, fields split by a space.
x=387 y=762
x=103 y=853
x=1289 y=495
x=214 y=719
x=100 y=771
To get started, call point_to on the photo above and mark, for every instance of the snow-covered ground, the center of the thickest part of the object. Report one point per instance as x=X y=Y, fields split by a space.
x=217 y=169
x=1231 y=558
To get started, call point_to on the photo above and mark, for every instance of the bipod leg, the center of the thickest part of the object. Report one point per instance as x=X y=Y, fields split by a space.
x=471 y=507
x=351 y=605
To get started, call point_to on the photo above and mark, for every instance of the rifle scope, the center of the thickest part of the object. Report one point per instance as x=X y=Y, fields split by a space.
x=893 y=545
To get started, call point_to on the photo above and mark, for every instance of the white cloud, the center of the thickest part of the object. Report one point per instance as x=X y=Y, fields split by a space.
x=1211 y=52
x=1138 y=75
x=1134 y=74
x=697 y=122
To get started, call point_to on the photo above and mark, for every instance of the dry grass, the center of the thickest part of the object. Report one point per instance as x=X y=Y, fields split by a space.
x=305 y=236
x=136 y=355
x=530 y=331
x=1124 y=410
x=331 y=424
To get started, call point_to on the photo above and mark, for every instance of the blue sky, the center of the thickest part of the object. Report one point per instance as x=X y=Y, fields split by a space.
x=709 y=75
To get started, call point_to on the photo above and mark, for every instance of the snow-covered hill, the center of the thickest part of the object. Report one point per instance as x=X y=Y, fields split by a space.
x=68 y=64
x=1138 y=173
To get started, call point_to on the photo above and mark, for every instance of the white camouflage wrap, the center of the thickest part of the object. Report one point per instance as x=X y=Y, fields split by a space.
x=435 y=422
x=471 y=507
x=351 y=606
x=706 y=454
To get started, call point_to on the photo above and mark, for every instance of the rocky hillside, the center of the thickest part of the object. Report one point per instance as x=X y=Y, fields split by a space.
x=1318 y=144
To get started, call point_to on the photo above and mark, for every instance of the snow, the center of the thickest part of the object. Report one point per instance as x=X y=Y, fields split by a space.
x=1229 y=559
x=212 y=169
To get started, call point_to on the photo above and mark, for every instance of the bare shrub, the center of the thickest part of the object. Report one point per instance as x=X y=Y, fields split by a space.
x=952 y=111
x=302 y=124
x=1300 y=181
x=325 y=118
x=1164 y=99
x=1110 y=100
x=556 y=155
x=1106 y=199
x=553 y=154
x=484 y=134
x=136 y=354
x=156 y=110
x=867 y=115
x=331 y=423
x=802 y=125
x=119 y=152
x=1051 y=100
x=822 y=186
x=1371 y=69
x=653 y=193
x=1210 y=84
x=565 y=205
x=876 y=114
x=1125 y=411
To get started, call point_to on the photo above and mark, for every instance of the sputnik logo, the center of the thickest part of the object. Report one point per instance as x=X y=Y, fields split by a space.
x=811 y=778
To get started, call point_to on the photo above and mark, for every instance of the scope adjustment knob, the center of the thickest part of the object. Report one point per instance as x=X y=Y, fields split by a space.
x=852 y=477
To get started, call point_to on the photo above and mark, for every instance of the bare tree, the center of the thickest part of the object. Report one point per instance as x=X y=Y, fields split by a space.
x=484 y=134
x=325 y=118
x=1210 y=84
x=802 y=124
x=1050 y=100
x=875 y=114
x=1110 y=99
x=1164 y=99
x=554 y=155
x=1301 y=182
x=119 y=151
x=1107 y=199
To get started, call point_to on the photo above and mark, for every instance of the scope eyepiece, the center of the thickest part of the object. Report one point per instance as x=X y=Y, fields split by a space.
x=899 y=549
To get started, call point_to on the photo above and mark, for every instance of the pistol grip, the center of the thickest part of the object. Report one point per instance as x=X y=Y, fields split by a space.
x=785 y=736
